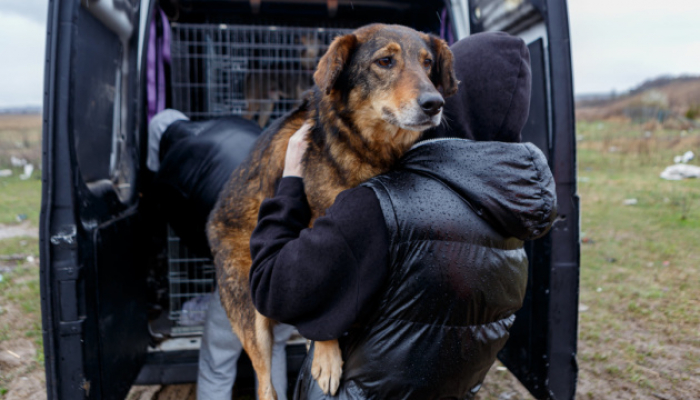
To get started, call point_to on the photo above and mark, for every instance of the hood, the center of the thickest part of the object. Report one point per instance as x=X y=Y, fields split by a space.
x=509 y=185
x=493 y=99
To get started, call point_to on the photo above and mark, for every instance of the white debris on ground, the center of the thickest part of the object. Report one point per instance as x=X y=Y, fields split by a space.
x=23 y=229
x=18 y=162
x=687 y=156
x=28 y=169
x=681 y=170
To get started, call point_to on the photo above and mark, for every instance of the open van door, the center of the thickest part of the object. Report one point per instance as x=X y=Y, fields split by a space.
x=93 y=282
x=541 y=351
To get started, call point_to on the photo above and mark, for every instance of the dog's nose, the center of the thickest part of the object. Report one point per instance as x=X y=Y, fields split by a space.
x=431 y=103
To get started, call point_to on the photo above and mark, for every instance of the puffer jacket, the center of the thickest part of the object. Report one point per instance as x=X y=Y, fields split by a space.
x=457 y=212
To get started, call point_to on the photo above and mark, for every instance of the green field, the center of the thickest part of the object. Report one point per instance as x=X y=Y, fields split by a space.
x=21 y=347
x=640 y=274
x=640 y=268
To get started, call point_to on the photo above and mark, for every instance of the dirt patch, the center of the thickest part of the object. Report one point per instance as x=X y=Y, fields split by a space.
x=29 y=387
x=659 y=370
x=20 y=121
x=21 y=364
x=15 y=353
x=22 y=229
x=18 y=360
x=500 y=384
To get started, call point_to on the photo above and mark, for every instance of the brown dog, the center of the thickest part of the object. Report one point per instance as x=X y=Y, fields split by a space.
x=376 y=90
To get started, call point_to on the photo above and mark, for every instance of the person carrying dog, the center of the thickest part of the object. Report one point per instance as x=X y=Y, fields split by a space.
x=418 y=272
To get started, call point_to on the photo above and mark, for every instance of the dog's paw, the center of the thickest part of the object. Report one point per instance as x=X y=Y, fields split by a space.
x=327 y=366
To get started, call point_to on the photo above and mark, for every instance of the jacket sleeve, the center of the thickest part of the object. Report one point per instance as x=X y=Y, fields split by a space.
x=322 y=278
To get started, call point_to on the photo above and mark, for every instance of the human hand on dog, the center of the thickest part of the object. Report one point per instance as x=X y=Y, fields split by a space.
x=295 y=151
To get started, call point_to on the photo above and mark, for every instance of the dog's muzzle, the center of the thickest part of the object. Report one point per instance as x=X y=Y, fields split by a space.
x=431 y=103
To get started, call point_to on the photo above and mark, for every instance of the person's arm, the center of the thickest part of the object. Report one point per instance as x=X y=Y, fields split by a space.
x=319 y=279
x=322 y=279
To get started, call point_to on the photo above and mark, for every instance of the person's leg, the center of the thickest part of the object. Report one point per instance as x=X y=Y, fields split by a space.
x=218 y=354
x=282 y=333
x=158 y=125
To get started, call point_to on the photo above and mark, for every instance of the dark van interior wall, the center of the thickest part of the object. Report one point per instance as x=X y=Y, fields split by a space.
x=94 y=88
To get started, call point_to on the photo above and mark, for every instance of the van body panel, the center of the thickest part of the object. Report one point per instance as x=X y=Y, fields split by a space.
x=92 y=274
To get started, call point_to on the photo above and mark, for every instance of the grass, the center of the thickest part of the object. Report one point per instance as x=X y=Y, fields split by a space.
x=640 y=264
x=20 y=198
x=640 y=268
x=20 y=306
x=20 y=318
x=20 y=137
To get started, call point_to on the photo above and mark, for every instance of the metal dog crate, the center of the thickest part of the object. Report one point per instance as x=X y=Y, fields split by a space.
x=250 y=70
x=253 y=71
x=191 y=281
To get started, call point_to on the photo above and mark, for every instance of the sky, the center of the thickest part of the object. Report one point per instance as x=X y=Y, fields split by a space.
x=616 y=45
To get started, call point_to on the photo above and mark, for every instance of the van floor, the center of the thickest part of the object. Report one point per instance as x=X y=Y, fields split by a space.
x=187 y=391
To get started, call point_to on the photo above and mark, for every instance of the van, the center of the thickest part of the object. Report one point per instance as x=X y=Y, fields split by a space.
x=115 y=281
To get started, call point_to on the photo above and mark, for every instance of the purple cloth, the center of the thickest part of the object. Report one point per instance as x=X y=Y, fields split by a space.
x=158 y=57
x=446 y=28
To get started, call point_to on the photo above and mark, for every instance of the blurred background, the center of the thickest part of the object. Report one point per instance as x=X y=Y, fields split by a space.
x=636 y=68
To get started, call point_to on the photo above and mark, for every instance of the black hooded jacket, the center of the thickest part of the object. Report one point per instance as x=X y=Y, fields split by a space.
x=196 y=160
x=493 y=100
x=418 y=271
x=457 y=270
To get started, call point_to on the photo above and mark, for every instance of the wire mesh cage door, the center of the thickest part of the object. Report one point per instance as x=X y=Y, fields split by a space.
x=258 y=72
x=191 y=283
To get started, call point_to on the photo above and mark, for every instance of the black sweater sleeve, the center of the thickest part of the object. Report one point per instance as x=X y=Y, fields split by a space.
x=319 y=279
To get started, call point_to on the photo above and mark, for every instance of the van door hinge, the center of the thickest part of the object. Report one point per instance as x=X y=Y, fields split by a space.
x=71 y=328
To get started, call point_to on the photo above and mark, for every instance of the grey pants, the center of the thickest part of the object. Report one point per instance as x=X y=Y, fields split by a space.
x=219 y=352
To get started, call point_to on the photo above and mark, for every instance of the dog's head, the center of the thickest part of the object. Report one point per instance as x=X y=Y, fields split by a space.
x=389 y=74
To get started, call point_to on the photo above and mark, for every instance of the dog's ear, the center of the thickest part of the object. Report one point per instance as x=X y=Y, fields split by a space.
x=443 y=73
x=332 y=63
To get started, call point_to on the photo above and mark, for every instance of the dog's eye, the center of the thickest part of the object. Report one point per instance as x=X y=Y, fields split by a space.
x=386 y=62
x=427 y=63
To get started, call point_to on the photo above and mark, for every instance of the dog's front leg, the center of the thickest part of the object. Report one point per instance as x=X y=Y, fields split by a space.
x=327 y=366
x=260 y=354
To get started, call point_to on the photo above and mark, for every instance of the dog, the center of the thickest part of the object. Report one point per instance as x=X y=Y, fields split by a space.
x=265 y=87
x=376 y=90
